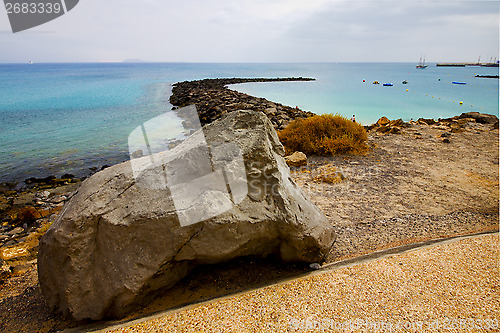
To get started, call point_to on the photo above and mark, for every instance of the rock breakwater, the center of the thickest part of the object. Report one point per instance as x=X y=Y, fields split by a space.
x=213 y=100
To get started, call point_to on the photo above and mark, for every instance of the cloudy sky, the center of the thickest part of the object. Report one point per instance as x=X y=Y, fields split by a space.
x=260 y=31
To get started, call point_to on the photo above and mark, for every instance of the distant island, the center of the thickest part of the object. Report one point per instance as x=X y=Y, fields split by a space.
x=135 y=60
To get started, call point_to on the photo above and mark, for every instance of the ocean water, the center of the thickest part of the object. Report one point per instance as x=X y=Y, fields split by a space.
x=68 y=118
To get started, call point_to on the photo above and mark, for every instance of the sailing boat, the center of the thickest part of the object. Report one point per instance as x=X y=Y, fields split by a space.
x=421 y=63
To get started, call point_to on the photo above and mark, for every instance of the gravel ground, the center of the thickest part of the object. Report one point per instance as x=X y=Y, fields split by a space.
x=454 y=285
x=410 y=188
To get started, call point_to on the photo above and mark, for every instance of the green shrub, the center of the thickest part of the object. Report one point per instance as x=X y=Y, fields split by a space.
x=324 y=135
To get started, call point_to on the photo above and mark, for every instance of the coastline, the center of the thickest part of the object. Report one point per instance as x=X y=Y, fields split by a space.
x=412 y=187
x=213 y=99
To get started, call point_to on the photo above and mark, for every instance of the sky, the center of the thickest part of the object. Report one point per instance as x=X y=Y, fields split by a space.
x=260 y=31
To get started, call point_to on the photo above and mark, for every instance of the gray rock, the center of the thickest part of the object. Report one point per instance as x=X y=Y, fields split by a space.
x=57 y=199
x=122 y=239
x=15 y=231
x=9 y=243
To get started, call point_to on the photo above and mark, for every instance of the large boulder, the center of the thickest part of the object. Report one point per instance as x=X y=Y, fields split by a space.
x=131 y=231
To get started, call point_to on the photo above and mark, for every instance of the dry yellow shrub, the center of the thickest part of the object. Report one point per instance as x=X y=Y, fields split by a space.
x=324 y=135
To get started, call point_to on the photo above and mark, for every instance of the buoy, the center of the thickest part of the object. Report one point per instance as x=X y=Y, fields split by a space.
x=439 y=79
x=472 y=106
x=364 y=81
x=461 y=103
x=406 y=90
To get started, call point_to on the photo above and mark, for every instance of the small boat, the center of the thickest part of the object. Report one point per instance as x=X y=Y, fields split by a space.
x=421 y=64
x=388 y=84
x=487 y=76
x=404 y=82
x=456 y=82
x=376 y=82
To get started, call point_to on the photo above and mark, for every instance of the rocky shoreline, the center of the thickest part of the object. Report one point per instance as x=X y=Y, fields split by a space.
x=421 y=180
x=213 y=99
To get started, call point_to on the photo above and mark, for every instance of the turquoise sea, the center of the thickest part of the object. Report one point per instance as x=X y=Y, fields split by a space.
x=68 y=118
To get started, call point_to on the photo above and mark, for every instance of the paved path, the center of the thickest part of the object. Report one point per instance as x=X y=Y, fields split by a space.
x=452 y=285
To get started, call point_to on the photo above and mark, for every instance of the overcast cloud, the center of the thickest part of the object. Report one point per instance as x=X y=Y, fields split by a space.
x=260 y=31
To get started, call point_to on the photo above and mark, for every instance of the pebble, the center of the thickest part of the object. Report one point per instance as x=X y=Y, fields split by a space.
x=15 y=231
x=315 y=266
x=9 y=243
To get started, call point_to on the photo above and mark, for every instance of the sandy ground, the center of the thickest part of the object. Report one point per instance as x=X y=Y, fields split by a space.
x=411 y=187
x=447 y=287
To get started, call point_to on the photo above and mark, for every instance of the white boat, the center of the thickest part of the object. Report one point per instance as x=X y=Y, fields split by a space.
x=421 y=63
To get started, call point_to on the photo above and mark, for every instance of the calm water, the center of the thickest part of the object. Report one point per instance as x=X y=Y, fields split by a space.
x=66 y=118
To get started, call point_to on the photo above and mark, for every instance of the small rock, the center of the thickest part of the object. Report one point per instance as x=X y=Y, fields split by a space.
x=446 y=135
x=383 y=129
x=383 y=121
x=4 y=271
x=271 y=111
x=297 y=159
x=440 y=127
x=15 y=231
x=446 y=140
x=17 y=252
x=463 y=121
x=427 y=121
x=137 y=154
x=315 y=265
x=395 y=130
x=21 y=269
x=329 y=174
x=42 y=195
x=57 y=199
x=398 y=123
x=22 y=239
